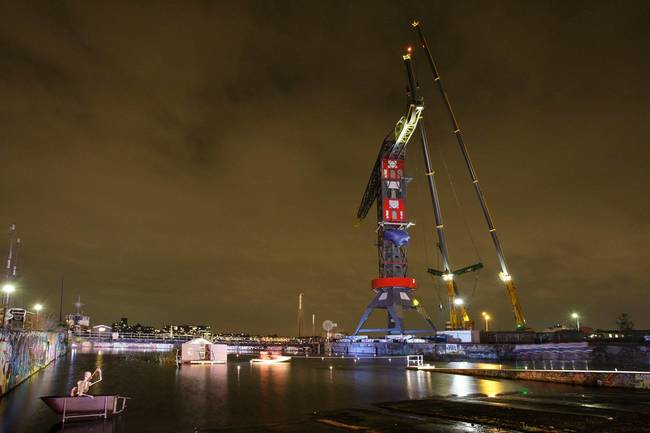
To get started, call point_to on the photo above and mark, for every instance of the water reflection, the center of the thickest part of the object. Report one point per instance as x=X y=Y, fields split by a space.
x=418 y=384
x=165 y=398
x=92 y=426
x=273 y=388
x=200 y=384
x=462 y=385
x=491 y=388
x=464 y=364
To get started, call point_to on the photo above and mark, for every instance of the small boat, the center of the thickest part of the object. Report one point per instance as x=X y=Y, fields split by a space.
x=86 y=407
x=270 y=358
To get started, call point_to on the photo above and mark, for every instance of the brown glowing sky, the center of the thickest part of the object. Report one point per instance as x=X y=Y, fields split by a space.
x=203 y=162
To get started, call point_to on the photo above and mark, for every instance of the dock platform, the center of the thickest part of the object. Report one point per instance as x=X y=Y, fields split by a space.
x=603 y=378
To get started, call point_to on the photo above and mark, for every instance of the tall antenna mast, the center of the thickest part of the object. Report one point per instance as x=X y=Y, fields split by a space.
x=78 y=305
x=61 y=302
x=300 y=315
x=12 y=256
x=504 y=274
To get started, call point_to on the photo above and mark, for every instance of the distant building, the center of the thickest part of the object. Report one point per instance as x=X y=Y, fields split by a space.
x=202 y=351
x=616 y=335
x=100 y=329
x=121 y=326
x=77 y=322
x=194 y=330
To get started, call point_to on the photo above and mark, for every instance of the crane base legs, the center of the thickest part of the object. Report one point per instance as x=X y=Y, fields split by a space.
x=396 y=301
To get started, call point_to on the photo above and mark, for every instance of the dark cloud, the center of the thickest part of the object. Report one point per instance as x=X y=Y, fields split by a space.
x=202 y=162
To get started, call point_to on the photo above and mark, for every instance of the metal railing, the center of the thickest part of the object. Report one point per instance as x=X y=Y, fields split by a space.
x=415 y=360
x=243 y=346
x=131 y=336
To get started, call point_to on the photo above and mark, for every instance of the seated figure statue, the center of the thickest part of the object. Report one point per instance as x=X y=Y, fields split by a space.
x=84 y=384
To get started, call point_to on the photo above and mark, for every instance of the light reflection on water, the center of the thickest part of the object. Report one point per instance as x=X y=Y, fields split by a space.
x=167 y=399
x=421 y=384
x=465 y=385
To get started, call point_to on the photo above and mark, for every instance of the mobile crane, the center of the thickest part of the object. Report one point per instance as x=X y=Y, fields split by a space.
x=504 y=275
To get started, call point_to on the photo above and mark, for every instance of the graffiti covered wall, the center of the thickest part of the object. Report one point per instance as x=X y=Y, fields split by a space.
x=23 y=353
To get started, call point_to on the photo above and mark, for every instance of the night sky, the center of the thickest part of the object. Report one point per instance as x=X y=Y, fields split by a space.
x=203 y=162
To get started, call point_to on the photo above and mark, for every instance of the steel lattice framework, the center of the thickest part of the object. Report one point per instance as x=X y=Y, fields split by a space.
x=393 y=290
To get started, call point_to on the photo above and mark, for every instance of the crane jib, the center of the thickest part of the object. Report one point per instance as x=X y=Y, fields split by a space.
x=392 y=148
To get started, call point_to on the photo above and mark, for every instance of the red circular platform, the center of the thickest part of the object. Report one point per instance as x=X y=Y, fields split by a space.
x=381 y=283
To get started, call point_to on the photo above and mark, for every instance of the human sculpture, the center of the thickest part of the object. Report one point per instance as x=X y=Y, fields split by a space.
x=84 y=384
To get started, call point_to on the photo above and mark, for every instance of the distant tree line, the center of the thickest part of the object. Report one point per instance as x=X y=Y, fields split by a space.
x=624 y=322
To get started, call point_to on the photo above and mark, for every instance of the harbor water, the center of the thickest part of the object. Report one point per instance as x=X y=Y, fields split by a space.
x=201 y=398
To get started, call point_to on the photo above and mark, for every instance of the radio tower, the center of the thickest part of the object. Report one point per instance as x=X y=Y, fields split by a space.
x=300 y=314
x=12 y=257
x=11 y=271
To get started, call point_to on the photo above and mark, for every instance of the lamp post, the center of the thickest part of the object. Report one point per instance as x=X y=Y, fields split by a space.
x=7 y=290
x=486 y=316
x=576 y=316
x=37 y=308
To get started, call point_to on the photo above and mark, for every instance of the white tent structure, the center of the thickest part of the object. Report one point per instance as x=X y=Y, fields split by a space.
x=202 y=351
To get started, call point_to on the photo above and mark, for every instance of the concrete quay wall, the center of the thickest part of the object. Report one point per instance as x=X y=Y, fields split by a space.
x=619 y=355
x=434 y=351
x=23 y=353
x=610 y=379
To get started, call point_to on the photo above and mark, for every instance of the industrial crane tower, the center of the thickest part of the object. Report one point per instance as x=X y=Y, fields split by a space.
x=394 y=290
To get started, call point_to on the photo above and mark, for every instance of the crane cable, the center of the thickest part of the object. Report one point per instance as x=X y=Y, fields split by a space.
x=458 y=203
x=427 y=259
x=465 y=224
x=464 y=218
x=437 y=261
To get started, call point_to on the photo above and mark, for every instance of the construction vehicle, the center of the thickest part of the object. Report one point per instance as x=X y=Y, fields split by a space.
x=504 y=275
x=458 y=316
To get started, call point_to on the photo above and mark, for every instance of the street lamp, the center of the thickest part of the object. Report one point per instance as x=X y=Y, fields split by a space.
x=458 y=301
x=8 y=288
x=576 y=316
x=486 y=316
x=37 y=308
